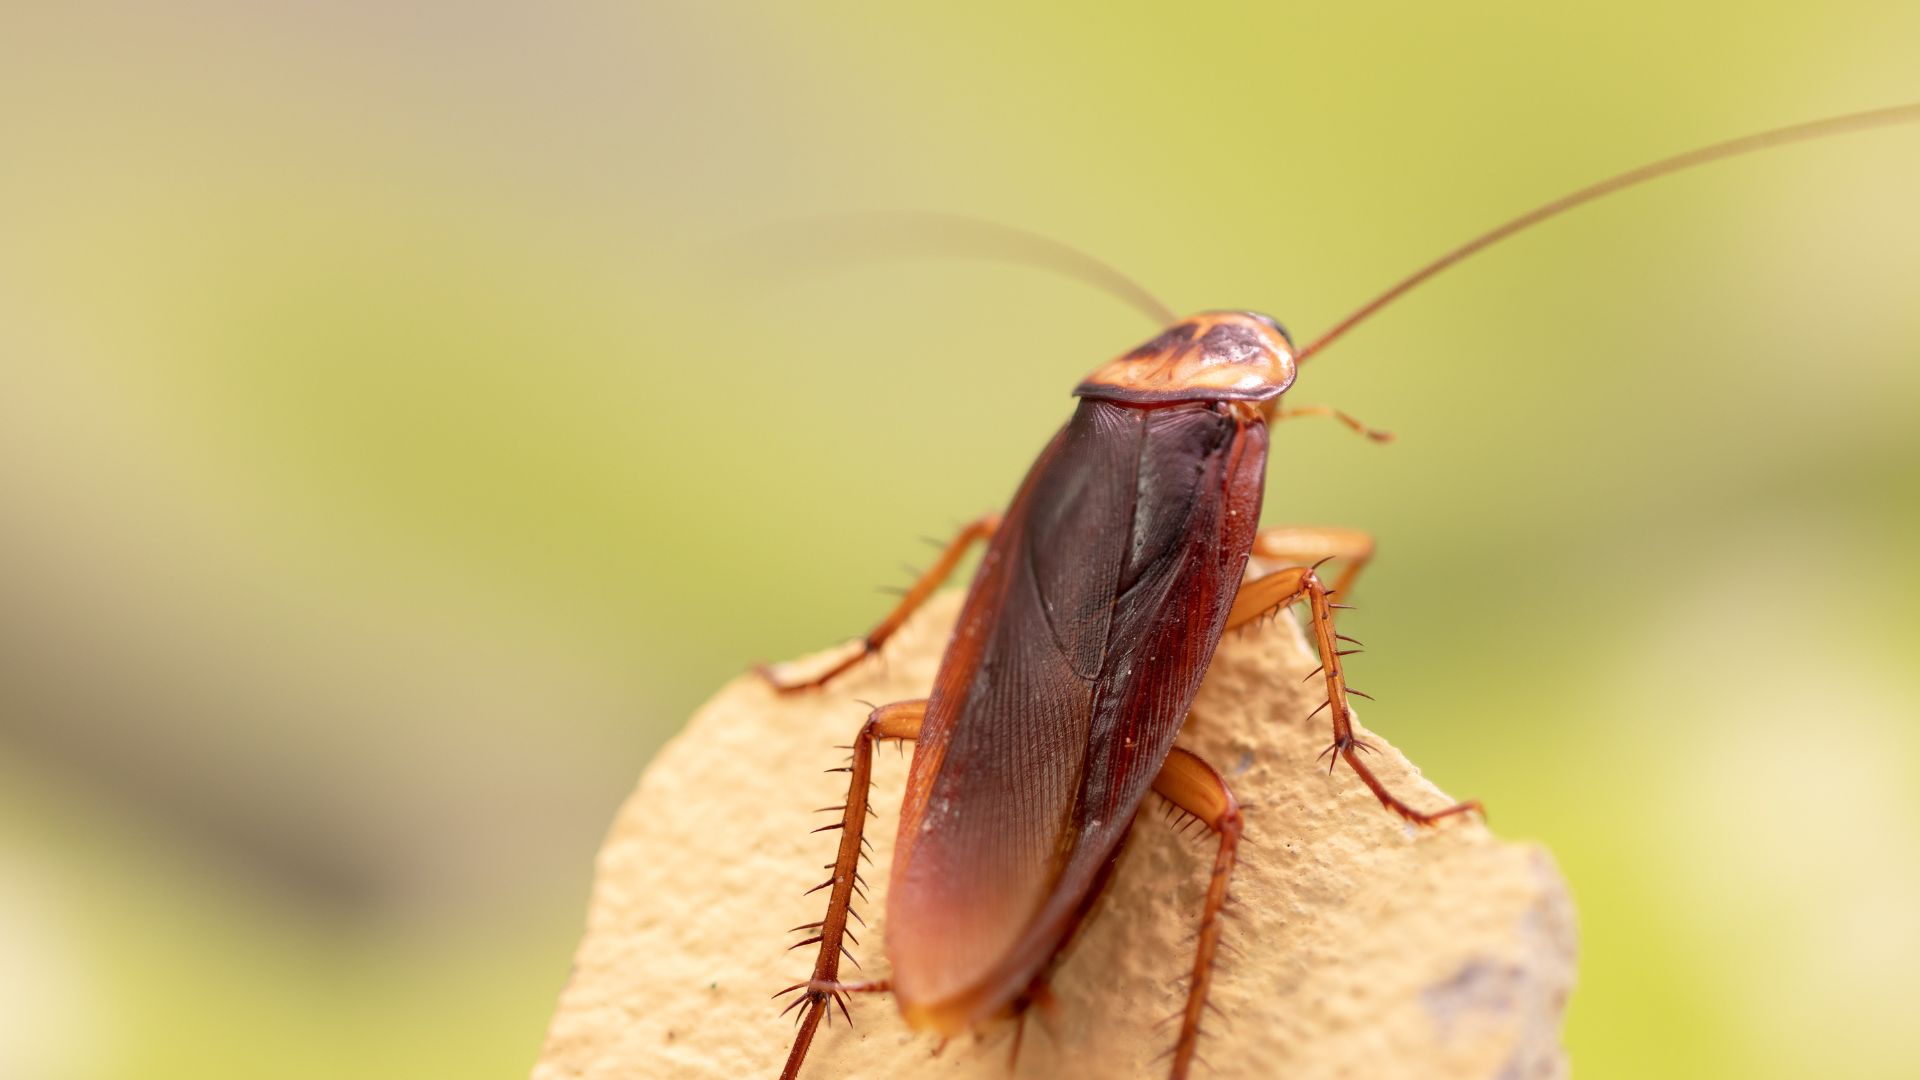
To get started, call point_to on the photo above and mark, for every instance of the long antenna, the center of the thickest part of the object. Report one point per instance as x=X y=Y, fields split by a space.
x=912 y=234
x=1815 y=129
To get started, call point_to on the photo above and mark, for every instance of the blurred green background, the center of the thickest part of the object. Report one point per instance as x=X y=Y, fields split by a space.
x=395 y=445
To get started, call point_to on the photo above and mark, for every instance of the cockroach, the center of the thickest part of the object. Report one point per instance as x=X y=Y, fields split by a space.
x=1104 y=588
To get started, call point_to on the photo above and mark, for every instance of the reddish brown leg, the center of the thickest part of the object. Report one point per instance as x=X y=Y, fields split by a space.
x=979 y=529
x=824 y=988
x=1192 y=785
x=1351 y=422
x=1039 y=994
x=1310 y=545
x=1263 y=595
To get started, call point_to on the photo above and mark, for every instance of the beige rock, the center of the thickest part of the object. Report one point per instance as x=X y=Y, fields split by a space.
x=1366 y=947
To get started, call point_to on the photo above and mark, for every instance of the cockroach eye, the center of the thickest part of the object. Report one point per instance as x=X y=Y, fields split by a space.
x=1275 y=324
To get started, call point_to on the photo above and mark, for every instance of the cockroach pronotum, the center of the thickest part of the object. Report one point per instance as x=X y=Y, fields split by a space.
x=1105 y=586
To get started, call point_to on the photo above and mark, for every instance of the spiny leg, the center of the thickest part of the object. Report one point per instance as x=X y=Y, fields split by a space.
x=1277 y=590
x=1193 y=786
x=977 y=530
x=1310 y=545
x=824 y=989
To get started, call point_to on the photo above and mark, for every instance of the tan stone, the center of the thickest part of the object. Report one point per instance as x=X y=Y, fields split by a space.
x=1366 y=947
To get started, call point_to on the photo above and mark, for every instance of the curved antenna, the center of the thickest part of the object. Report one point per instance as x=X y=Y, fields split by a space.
x=921 y=234
x=1814 y=129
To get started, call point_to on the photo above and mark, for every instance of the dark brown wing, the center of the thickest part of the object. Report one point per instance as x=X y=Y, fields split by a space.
x=1088 y=628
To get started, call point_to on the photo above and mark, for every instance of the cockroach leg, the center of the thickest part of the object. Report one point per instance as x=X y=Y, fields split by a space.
x=980 y=529
x=1309 y=545
x=1351 y=422
x=824 y=990
x=1267 y=594
x=861 y=986
x=1019 y=1036
x=1039 y=994
x=1277 y=590
x=1196 y=788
